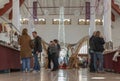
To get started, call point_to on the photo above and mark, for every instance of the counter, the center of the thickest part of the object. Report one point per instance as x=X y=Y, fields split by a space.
x=9 y=58
x=111 y=65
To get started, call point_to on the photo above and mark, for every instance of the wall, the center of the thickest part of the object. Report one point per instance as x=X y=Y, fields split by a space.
x=116 y=32
x=74 y=32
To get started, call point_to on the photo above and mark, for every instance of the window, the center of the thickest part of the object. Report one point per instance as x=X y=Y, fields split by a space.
x=87 y=22
x=55 y=21
x=66 y=21
x=81 y=21
x=99 y=21
x=40 y=21
x=24 y=20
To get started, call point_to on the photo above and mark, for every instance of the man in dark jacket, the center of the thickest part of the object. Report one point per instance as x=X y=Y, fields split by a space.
x=36 y=50
x=53 y=51
x=99 y=48
x=58 y=52
x=91 y=52
x=49 y=55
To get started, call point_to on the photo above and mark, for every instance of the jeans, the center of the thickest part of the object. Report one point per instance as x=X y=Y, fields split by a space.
x=49 y=61
x=98 y=61
x=25 y=64
x=55 y=62
x=91 y=61
x=36 y=63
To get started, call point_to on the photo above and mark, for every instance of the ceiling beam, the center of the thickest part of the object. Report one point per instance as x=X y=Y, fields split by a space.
x=28 y=10
x=58 y=14
x=64 y=7
x=40 y=7
x=10 y=14
x=68 y=11
x=6 y=8
x=115 y=7
x=54 y=5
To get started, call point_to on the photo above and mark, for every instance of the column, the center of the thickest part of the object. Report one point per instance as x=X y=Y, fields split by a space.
x=107 y=24
x=16 y=14
x=61 y=30
x=92 y=27
x=31 y=26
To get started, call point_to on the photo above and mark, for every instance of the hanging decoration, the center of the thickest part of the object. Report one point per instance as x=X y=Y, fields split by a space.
x=35 y=10
x=87 y=13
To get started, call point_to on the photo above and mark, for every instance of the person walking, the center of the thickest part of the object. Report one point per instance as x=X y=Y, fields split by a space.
x=36 y=51
x=25 y=50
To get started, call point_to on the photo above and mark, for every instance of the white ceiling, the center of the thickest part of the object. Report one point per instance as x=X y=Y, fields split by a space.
x=71 y=7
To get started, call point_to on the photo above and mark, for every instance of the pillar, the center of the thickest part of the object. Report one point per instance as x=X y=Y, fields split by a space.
x=107 y=24
x=31 y=26
x=92 y=27
x=16 y=14
x=61 y=30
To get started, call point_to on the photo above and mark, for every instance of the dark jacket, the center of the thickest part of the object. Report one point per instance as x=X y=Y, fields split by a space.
x=48 y=50
x=58 y=47
x=91 y=43
x=99 y=44
x=37 y=44
x=53 y=50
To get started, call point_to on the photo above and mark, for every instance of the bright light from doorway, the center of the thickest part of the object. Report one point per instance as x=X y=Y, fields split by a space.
x=98 y=78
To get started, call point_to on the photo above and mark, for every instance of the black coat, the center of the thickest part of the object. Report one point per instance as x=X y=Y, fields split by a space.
x=91 y=43
x=99 y=44
x=37 y=44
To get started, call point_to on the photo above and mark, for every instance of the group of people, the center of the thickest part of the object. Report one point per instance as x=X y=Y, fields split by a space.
x=53 y=54
x=29 y=49
x=96 y=43
x=32 y=48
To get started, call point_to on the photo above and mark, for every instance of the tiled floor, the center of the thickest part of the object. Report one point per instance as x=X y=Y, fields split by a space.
x=61 y=75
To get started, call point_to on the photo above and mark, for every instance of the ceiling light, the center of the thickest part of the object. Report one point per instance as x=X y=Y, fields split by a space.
x=97 y=20
x=35 y=19
x=87 y=20
x=24 y=19
x=20 y=19
x=81 y=19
